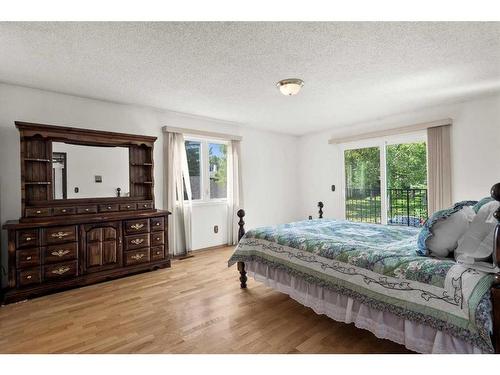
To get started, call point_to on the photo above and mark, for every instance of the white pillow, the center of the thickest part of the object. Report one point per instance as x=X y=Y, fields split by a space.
x=446 y=233
x=477 y=242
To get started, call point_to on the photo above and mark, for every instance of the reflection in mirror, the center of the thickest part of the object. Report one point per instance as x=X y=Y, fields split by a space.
x=89 y=171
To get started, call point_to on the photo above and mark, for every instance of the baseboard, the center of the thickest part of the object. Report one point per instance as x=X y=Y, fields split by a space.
x=210 y=248
x=192 y=253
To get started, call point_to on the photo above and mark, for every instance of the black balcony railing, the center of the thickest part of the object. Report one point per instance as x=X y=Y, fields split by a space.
x=363 y=205
x=404 y=206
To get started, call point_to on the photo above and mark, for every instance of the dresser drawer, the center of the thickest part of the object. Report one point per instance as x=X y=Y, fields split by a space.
x=137 y=226
x=60 y=234
x=157 y=238
x=60 y=253
x=63 y=211
x=60 y=270
x=144 y=205
x=38 y=212
x=86 y=210
x=136 y=257
x=28 y=258
x=157 y=253
x=157 y=223
x=137 y=241
x=27 y=238
x=109 y=207
x=128 y=207
x=29 y=276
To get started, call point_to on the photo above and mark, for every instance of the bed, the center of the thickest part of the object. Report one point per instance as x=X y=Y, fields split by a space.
x=370 y=275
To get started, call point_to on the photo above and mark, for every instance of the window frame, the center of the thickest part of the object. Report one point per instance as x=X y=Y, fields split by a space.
x=381 y=143
x=205 y=169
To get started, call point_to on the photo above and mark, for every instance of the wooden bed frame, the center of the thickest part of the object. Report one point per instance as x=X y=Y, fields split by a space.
x=495 y=288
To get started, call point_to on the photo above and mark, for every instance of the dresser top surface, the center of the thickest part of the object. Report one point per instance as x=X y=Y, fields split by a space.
x=83 y=219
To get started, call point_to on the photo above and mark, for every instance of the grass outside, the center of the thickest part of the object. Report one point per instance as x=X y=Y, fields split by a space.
x=368 y=210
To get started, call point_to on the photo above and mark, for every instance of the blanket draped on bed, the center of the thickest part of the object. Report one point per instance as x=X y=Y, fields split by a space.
x=377 y=265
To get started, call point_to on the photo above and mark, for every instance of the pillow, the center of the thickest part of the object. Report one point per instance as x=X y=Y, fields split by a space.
x=477 y=242
x=481 y=203
x=440 y=234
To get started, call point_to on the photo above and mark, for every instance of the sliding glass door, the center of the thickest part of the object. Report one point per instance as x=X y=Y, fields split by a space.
x=386 y=183
x=362 y=185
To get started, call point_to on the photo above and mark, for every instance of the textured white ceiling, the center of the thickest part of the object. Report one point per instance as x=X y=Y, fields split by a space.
x=352 y=71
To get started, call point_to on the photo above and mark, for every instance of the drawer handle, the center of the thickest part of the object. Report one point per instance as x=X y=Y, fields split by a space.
x=61 y=270
x=28 y=277
x=60 y=253
x=63 y=210
x=145 y=206
x=137 y=241
x=28 y=258
x=38 y=212
x=158 y=252
x=137 y=256
x=157 y=238
x=128 y=206
x=28 y=238
x=87 y=210
x=157 y=224
x=109 y=207
x=60 y=235
x=137 y=226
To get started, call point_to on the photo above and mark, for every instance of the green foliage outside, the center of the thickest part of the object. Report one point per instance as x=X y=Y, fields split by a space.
x=193 y=157
x=406 y=169
x=217 y=157
x=362 y=167
x=220 y=161
x=407 y=166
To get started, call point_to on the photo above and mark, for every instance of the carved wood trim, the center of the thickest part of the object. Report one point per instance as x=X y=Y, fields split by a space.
x=320 y=212
x=82 y=136
x=495 y=288
x=241 y=265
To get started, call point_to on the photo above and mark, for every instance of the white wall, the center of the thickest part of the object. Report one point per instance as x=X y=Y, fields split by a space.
x=283 y=176
x=83 y=163
x=205 y=217
x=268 y=159
x=475 y=145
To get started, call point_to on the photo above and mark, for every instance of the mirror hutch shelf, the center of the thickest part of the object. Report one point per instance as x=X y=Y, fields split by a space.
x=63 y=243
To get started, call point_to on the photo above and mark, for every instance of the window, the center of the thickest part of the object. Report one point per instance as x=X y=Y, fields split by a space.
x=385 y=181
x=217 y=156
x=207 y=164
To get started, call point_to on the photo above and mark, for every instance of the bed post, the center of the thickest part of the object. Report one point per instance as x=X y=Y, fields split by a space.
x=495 y=288
x=320 y=212
x=241 y=265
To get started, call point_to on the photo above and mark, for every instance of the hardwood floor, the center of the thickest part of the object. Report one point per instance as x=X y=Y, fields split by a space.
x=194 y=307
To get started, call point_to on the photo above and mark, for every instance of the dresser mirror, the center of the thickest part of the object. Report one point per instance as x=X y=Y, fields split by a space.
x=82 y=171
x=73 y=171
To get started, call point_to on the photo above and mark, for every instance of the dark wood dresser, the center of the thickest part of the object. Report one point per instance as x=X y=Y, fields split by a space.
x=63 y=243
x=61 y=253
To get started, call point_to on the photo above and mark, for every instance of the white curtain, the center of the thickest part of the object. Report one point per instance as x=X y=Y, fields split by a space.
x=234 y=190
x=178 y=187
x=439 y=167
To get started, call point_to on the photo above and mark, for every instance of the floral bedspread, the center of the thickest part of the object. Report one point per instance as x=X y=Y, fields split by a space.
x=378 y=265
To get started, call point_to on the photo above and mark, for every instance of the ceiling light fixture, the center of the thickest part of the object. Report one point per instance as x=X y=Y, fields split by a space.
x=290 y=86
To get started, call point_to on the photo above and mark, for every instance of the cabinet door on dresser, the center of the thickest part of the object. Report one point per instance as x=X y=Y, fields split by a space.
x=102 y=246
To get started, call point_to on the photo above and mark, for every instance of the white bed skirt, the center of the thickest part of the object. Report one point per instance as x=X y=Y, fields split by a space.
x=414 y=336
